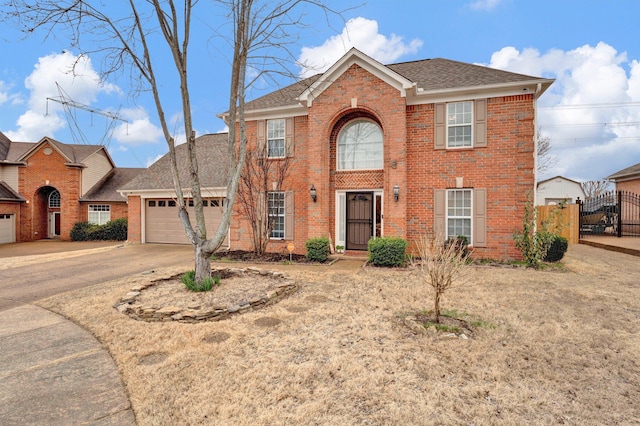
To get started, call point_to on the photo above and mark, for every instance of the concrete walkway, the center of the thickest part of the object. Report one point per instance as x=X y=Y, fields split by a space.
x=53 y=372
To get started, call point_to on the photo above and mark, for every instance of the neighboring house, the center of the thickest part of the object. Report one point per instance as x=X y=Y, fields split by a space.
x=558 y=190
x=627 y=179
x=385 y=150
x=153 y=216
x=48 y=186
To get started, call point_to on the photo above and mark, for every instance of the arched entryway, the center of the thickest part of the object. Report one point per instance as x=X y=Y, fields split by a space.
x=47 y=215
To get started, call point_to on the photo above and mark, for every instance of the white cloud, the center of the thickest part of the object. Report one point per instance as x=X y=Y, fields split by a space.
x=4 y=92
x=362 y=34
x=590 y=140
x=74 y=75
x=484 y=4
x=139 y=130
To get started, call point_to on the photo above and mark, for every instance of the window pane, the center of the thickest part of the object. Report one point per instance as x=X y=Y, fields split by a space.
x=276 y=213
x=459 y=119
x=54 y=199
x=459 y=213
x=275 y=138
x=360 y=146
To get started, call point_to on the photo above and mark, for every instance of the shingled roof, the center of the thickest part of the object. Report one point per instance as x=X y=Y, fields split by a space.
x=211 y=151
x=106 y=190
x=428 y=74
x=8 y=194
x=633 y=171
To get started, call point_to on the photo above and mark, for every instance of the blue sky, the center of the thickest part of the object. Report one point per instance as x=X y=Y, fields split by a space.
x=591 y=113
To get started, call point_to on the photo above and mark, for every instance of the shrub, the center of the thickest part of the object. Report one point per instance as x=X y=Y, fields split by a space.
x=557 y=249
x=81 y=231
x=189 y=280
x=387 y=251
x=318 y=249
x=114 y=230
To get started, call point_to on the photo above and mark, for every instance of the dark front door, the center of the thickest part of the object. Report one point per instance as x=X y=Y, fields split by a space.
x=359 y=220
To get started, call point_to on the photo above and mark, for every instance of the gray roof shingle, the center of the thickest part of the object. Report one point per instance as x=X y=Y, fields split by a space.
x=628 y=172
x=8 y=194
x=107 y=188
x=211 y=151
x=428 y=74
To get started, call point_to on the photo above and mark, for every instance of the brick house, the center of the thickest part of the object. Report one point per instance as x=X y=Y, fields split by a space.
x=627 y=179
x=392 y=150
x=48 y=186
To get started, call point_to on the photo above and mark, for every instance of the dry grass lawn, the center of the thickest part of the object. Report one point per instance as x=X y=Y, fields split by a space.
x=565 y=350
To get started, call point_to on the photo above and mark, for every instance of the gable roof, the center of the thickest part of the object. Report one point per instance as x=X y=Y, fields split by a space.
x=107 y=188
x=629 y=172
x=558 y=177
x=8 y=194
x=74 y=154
x=211 y=151
x=416 y=78
x=5 y=143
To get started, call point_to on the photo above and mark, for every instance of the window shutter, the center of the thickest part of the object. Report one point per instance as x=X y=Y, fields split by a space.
x=288 y=215
x=261 y=138
x=439 y=213
x=480 y=123
x=480 y=217
x=288 y=136
x=440 y=139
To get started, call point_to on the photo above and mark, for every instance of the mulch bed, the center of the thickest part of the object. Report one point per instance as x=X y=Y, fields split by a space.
x=249 y=256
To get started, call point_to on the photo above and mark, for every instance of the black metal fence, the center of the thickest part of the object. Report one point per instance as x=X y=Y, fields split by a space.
x=614 y=213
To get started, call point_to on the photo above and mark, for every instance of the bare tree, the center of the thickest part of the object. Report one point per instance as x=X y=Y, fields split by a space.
x=442 y=265
x=593 y=188
x=546 y=160
x=125 y=38
x=260 y=176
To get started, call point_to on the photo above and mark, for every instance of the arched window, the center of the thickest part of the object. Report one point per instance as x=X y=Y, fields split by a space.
x=360 y=146
x=54 y=199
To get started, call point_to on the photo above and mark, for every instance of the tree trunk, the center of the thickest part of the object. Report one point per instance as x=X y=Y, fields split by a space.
x=436 y=307
x=203 y=263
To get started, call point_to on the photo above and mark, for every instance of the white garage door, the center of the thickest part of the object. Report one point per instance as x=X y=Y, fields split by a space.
x=7 y=228
x=163 y=225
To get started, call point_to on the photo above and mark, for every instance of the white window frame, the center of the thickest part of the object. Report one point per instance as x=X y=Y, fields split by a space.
x=54 y=203
x=457 y=216
x=280 y=215
x=458 y=120
x=102 y=211
x=341 y=163
x=276 y=131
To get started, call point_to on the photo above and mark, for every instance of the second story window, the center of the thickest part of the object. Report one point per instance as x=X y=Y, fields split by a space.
x=459 y=119
x=275 y=138
x=54 y=199
x=360 y=146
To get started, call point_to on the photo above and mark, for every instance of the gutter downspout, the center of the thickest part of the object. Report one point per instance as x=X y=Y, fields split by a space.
x=535 y=143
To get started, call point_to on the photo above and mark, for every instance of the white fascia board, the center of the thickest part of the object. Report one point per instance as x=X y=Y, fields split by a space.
x=219 y=192
x=272 y=113
x=370 y=65
x=489 y=91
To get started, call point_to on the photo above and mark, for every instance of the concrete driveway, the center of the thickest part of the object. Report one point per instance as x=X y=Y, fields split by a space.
x=32 y=271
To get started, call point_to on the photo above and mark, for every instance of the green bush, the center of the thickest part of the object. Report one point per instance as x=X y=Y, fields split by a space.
x=114 y=230
x=318 y=249
x=557 y=249
x=387 y=251
x=81 y=231
x=189 y=280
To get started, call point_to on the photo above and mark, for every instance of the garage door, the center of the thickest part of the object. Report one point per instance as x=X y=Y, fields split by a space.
x=163 y=225
x=7 y=228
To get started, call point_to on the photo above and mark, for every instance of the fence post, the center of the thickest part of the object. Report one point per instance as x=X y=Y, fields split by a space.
x=619 y=207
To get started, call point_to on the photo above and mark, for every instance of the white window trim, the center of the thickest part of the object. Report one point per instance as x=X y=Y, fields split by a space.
x=338 y=147
x=284 y=138
x=100 y=212
x=447 y=217
x=449 y=126
x=284 y=214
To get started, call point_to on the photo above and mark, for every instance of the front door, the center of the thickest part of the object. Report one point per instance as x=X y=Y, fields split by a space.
x=359 y=220
x=54 y=224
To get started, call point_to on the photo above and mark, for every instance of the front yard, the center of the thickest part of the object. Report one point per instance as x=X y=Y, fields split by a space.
x=560 y=348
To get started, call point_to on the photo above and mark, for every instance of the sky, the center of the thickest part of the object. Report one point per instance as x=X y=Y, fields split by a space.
x=592 y=48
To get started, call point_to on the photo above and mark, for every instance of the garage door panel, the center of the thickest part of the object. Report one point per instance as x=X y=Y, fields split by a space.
x=7 y=228
x=163 y=224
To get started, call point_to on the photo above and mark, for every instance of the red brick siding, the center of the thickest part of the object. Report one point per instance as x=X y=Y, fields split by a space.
x=134 y=215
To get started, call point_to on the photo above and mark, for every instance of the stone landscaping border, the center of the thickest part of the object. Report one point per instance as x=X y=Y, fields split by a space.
x=193 y=314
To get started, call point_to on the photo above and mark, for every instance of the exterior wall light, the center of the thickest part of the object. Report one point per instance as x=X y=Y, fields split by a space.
x=396 y=192
x=313 y=193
